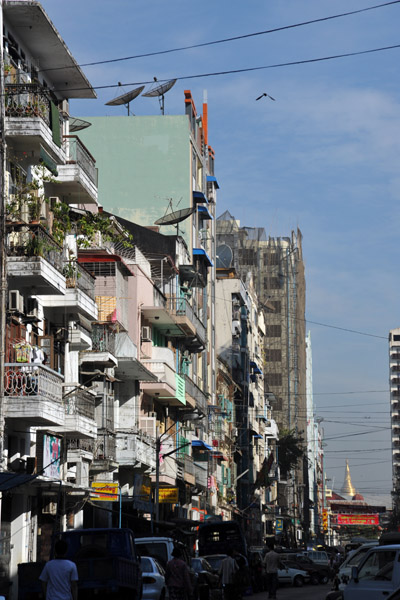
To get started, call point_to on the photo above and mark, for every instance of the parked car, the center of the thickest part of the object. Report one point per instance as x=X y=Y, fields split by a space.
x=160 y=547
x=209 y=585
x=318 y=573
x=353 y=560
x=153 y=577
x=320 y=557
x=295 y=577
x=378 y=574
x=215 y=561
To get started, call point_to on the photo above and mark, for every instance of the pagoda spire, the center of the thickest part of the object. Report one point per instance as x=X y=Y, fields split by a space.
x=348 y=488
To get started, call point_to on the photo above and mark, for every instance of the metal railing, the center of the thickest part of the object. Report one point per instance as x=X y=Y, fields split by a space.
x=33 y=240
x=27 y=100
x=181 y=307
x=200 y=474
x=31 y=379
x=80 y=444
x=195 y=392
x=103 y=338
x=79 y=402
x=105 y=447
x=78 y=154
x=82 y=279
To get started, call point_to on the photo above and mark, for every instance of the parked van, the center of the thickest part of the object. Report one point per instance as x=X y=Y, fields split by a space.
x=160 y=548
x=378 y=574
x=318 y=556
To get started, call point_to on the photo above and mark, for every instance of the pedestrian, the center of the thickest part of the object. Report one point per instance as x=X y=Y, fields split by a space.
x=177 y=577
x=60 y=576
x=228 y=570
x=271 y=564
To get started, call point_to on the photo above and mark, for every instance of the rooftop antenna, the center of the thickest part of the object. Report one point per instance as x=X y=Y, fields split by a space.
x=126 y=98
x=159 y=91
x=175 y=217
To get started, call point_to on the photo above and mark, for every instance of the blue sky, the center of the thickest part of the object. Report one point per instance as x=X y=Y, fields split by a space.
x=323 y=157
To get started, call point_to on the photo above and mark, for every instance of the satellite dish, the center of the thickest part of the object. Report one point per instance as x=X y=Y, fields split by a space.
x=224 y=256
x=159 y=91
x=126 y=98
x=176 y=216
x=76 y=124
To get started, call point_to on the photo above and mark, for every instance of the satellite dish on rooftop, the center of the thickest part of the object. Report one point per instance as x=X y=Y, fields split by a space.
x=224 y=256
x=126 y=98
x=76 y=124
x=159 y=91
x=175 y=217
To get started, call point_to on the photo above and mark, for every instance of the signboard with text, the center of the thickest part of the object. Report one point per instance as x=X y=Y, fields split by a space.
x=343 y=519
x=105 y=491
x=168 y=495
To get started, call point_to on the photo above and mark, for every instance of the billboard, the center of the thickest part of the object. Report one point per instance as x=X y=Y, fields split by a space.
x=51 y=456
x=343 y=519
x=168 y=495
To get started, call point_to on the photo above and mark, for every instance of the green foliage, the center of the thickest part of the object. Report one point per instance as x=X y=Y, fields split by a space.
x=290 y=450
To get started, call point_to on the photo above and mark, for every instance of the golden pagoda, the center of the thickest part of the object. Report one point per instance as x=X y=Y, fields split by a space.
x=348 y=488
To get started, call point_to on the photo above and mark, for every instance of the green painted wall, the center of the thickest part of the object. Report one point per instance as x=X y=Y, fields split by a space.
x=142 y=163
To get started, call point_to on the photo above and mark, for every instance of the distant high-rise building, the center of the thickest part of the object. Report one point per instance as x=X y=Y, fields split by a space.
x=394 y=367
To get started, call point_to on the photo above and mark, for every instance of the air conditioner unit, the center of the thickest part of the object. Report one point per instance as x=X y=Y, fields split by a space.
x=234 y=431
x=146 y=334
x=15 y=301
x=32 y=308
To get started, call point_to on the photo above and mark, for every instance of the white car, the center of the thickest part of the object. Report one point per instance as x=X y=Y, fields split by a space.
x=295 y=577
x=353 y=560
x=153 y=577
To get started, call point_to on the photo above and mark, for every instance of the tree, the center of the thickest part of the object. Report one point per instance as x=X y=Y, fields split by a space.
x=290 y=450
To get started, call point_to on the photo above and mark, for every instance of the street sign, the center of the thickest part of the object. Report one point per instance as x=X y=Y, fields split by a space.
x=105 y=491
x=278 y=525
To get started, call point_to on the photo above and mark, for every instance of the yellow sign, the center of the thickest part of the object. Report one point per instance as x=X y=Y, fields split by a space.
x=105 y=491
x=168 y=495
x=325 y=519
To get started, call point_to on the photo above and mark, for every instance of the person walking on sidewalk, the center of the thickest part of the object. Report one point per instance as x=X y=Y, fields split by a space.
x=228 y=570
x=271 y=564
x=177 y=577
x=60 y=576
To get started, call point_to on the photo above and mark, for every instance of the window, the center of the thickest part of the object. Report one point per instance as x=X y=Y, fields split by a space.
x=100 y=269
x=273 y=355
x=396 y=338
x=272 y=283
x=273 y=331
x=274 y=379
x=378 y=565
x=271 y=258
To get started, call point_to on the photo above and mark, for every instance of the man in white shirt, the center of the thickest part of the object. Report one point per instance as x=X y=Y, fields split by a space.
x=227 y=572
x=60 y=576
x=271 y=563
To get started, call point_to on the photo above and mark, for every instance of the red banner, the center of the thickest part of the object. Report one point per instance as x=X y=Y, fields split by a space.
x=358 y=519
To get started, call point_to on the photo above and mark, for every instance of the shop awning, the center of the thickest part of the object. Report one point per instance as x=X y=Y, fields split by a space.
x=204 y=212
x=199 y=197
x=202 y=445
x=8 y=481
x=200 y=253
x=257 y=435
x=213 y=179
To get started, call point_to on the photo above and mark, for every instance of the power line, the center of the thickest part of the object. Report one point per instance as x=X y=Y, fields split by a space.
x=229 y=39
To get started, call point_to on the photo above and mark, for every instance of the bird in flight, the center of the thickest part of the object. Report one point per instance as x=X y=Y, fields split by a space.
x=266 y=95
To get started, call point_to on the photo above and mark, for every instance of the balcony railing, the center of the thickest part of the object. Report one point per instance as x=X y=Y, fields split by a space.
x=29 y=100
x=80 y=444
x=79 y=155
x=33 y=240
x=103 y=338
x=182 y=308
x=105 y=447
x=81 y=279
x=79 y=402
x=30 y=379
x=195 y=392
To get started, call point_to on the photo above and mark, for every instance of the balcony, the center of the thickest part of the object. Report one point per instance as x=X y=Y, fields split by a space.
x=33 y=121
x=79 y=413
x=77 y=179
x=188 y=469
x=34 y=261
x=80 y=294
x=175 y=317
x=135 y=450
x=201 y=474
x=195 y=397
x=102 y=353
x=104 y=454
x=169 y=387
x=33 y=394
x=129 y=367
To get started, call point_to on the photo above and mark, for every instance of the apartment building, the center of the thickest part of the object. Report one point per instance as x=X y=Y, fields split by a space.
x=277 y=268
x=394 y=382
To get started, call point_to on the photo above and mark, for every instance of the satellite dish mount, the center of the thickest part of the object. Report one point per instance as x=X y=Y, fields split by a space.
x=159 y=91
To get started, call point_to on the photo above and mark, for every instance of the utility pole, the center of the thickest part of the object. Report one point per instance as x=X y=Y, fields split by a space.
x=3 y=258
